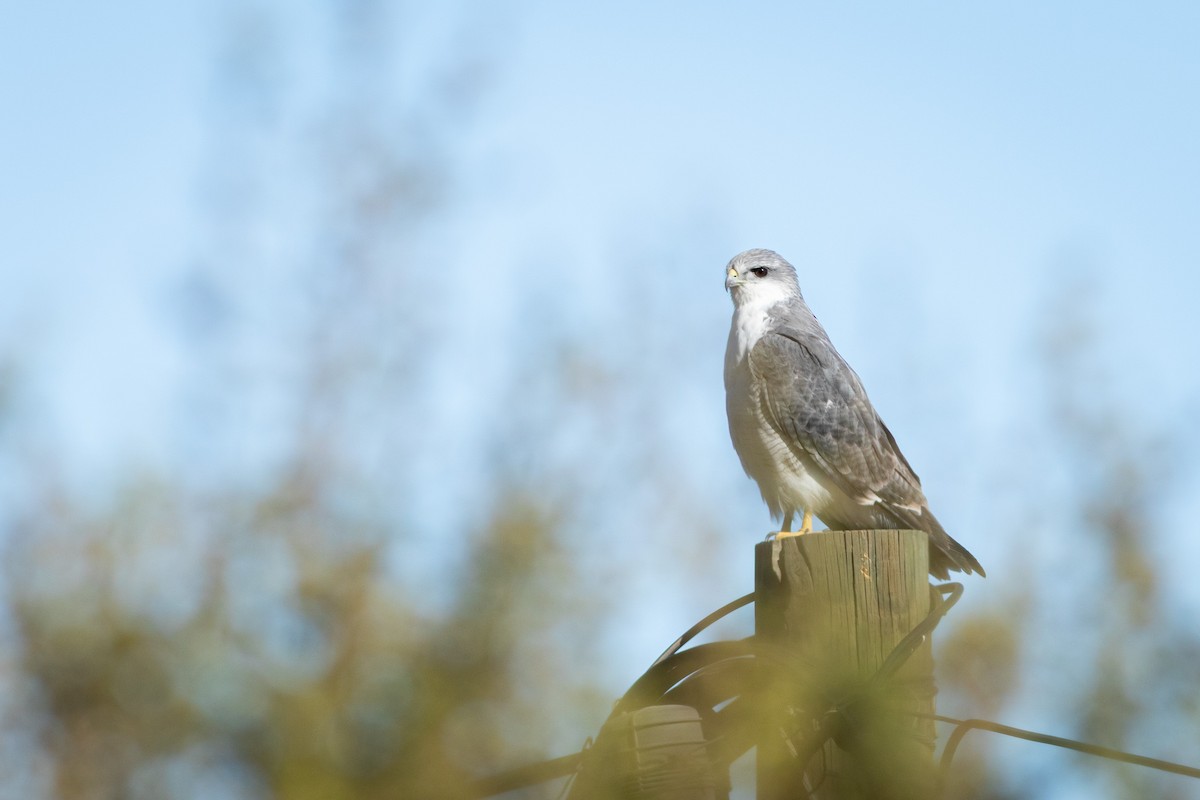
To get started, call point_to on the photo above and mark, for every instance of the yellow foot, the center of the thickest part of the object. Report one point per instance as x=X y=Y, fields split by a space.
x=805 y=527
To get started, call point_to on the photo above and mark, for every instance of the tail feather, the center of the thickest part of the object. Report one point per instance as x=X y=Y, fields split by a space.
x=945 y=554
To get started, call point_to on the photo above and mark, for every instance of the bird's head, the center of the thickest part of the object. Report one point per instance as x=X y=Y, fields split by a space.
x=761 y=277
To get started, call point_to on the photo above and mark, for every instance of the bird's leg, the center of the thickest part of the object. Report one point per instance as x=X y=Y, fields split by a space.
x=805 y=525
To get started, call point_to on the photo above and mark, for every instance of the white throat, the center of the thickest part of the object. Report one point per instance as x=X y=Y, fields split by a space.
x=751 y=318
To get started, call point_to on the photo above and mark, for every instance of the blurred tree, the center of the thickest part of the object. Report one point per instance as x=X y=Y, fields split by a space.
x=1086 y=632
x=269 y=620
x=268 y=660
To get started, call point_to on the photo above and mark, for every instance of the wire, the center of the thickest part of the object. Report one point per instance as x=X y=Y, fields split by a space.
x=916 y=637
x=566 y=765
x=526 y=776
x=693 y=631
x=708 y=675
x=964 y=726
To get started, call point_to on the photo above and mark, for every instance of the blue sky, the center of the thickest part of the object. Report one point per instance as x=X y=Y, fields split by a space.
x=940 y=168
x=936 y=172
x=968 y=154
x=946 y=171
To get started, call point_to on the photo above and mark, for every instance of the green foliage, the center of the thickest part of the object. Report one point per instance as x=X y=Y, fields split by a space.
x=302 y=669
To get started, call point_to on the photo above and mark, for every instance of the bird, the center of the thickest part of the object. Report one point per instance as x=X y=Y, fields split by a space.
x=803 y=426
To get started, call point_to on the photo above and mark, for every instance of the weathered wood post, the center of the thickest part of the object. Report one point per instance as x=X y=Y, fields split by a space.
x=830 y=607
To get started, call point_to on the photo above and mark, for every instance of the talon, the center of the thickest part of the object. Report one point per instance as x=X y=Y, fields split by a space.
x=805 y=526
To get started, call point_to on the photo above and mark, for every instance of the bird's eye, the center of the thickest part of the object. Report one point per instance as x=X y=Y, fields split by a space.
x=760 y=272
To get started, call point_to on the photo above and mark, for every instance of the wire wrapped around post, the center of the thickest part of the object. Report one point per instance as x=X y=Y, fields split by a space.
x=840 y=722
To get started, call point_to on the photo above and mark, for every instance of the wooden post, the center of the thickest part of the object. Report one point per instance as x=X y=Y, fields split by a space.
x=829 y=609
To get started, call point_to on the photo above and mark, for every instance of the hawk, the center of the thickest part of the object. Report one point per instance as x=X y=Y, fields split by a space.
x=803 y=426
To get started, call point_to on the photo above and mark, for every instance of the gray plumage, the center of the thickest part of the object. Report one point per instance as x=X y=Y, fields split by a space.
x=802 y=424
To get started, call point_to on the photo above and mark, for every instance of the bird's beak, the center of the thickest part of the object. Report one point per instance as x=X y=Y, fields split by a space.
x=732 y=279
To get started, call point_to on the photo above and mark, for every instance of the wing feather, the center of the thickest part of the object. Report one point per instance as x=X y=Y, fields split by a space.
x=817 y=403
